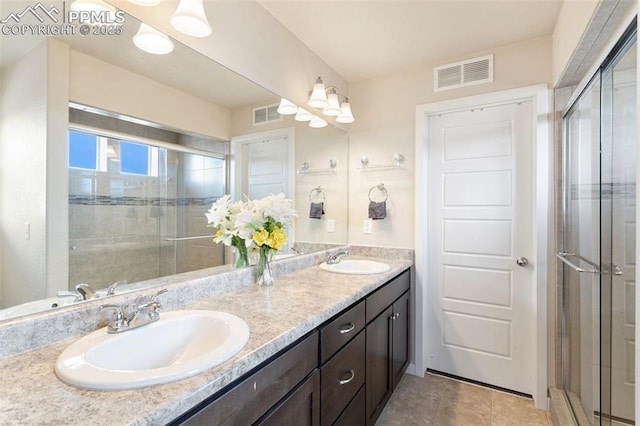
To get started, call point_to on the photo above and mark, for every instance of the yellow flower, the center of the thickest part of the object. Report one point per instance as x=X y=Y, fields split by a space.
x=260 y=237
x=277 y=239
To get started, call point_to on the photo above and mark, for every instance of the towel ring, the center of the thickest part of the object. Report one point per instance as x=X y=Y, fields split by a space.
x=316 y=192
x=382 y=189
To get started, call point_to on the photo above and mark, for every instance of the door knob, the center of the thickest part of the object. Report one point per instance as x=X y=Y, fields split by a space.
x=522 y=261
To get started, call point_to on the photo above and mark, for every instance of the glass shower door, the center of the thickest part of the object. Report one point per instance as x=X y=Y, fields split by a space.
x=599 y=181
x=618 y=201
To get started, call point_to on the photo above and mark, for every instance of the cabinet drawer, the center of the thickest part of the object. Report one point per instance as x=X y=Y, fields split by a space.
x=252 y=397
x=355 y=413
x=341 y=378
x=338 y=332
x=386 y=295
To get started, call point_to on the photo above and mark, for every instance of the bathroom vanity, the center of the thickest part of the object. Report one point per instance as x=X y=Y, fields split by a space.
x=324 y=348
x=321 y=378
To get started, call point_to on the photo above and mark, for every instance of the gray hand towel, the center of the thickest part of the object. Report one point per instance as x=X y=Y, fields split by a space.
x=377 y=210
x=316 y=210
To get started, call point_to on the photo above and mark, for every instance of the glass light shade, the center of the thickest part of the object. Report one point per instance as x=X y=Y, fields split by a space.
x=152 y=41
x=287 y=107
x=146 y=3
x=345 y=116
x=318 y=98
x=333 y=109
x=317 y=122
x=303 y=115
x=190 y=19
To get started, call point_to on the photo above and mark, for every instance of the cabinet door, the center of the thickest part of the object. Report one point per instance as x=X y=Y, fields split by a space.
x=300 y=408
x=379 y=383
x=400 y=334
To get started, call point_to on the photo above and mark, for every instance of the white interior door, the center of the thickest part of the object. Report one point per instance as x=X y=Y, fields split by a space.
x=267 y=167
x=480 y=222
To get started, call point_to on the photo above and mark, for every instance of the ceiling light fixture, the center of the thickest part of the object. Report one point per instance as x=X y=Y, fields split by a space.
x=287 y=107
x=190 y=19
x=328 y=99
x=152 y=41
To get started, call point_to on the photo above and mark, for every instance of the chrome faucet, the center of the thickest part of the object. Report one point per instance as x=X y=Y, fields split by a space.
x=333 y=259
x=82 y=292
x=141 y=315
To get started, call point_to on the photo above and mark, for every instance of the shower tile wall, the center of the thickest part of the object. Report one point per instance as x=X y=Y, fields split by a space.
x=115 y=221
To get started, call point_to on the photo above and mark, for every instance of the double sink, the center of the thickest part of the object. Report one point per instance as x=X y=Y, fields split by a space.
x=178 y=345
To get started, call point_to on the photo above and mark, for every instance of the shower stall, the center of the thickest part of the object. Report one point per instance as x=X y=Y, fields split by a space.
x=599 y=243
x=137 y=208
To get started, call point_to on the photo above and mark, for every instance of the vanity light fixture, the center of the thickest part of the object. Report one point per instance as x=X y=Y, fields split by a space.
x=317 y=122
x=287 y=107
x=328 y=99
x=303 y=115
x=152 y=41
x=190 y=19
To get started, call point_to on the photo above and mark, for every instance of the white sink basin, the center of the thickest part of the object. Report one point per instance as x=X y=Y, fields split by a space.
x=356 y=267
x=179 y=345
x=35 y=306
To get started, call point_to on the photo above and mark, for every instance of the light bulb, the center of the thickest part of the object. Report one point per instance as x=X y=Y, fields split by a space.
x=190 y=19
x=94 y=6
x=152 y=41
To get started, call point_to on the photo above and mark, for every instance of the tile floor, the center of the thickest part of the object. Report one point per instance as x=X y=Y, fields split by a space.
x=436 y=400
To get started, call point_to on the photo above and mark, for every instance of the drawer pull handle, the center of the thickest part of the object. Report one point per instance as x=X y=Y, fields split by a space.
x=351 y=377
x=348 y=328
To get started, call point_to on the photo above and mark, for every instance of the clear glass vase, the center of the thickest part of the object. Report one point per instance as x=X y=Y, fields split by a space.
x=263 y=268
x=242 y=258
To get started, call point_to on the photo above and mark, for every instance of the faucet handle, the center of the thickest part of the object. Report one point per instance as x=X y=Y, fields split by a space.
x=111 y=290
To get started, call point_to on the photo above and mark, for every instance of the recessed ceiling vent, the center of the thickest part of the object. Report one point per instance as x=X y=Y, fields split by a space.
x=266 y=114
x=464 y=73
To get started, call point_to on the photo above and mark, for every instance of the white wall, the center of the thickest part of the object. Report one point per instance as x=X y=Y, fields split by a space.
x=102 y=85
x=31 y=105
x=385 y=121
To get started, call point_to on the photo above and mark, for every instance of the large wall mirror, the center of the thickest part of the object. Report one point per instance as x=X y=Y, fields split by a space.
x=110 y=156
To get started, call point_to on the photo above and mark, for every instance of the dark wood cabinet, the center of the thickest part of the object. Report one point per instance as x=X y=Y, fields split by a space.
x=247 y=401
x=387 y=343
x=300 y=407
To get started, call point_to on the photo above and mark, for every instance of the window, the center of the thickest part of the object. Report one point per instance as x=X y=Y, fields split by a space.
x=92 y=152
x=83 y=150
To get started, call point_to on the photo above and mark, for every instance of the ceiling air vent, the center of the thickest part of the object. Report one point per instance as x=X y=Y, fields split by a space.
x=464 y=73
x=266 y=114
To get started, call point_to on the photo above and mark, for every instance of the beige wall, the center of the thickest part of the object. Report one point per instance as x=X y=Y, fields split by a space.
x=33 y=106
x=385 y=111
x=101 y=85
